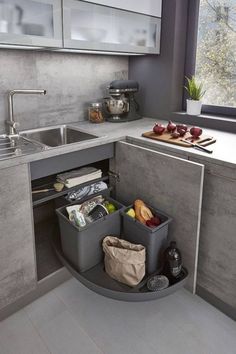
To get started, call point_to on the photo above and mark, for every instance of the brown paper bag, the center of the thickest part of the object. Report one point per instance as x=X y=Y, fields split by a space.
x=124 y=261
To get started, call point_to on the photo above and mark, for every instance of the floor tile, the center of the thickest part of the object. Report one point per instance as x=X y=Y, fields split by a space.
x=74 y=320
x=63 y=335
x=18 y=336
x=44 y=309
x=109 y=332
x=70 y=291
x=101 y=319
x=180 y=323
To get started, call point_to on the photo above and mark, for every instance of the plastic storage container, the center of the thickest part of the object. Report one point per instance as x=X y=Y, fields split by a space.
x=83 y=246
x=154 y=239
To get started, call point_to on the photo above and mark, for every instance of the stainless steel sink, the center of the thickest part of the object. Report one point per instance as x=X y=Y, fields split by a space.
x=6 y=147
x=56 y=136
x=16 y=146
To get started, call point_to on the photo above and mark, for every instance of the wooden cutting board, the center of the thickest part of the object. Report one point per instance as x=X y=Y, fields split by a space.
x=203 y=140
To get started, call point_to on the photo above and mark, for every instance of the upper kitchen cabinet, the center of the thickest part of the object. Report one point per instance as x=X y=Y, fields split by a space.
x=90 y=26
x=31 y=23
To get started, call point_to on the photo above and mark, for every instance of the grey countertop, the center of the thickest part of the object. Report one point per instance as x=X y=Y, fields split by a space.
x=224 y=150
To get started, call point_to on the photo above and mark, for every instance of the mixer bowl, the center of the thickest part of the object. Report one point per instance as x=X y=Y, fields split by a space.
x=116 y=106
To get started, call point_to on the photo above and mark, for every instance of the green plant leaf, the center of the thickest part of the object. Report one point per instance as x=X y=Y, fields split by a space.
x=195 y=91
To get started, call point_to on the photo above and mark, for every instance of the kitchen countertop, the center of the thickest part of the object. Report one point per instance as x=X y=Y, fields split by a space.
x=224 y=150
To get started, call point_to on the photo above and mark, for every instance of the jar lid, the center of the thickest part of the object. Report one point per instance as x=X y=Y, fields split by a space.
x=96 y=104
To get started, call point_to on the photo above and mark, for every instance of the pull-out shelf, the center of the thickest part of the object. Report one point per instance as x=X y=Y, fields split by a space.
x=98 y=281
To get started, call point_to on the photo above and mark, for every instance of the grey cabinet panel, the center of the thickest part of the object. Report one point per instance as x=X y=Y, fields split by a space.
x=217 y=248
x=170 y=184
x=17 y=259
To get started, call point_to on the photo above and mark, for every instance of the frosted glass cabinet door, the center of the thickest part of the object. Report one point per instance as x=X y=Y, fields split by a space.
x=147 y=7
x=96 y=27
x=31 y=22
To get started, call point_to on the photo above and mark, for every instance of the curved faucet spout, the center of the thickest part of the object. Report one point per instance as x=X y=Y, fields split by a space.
x=11 y=122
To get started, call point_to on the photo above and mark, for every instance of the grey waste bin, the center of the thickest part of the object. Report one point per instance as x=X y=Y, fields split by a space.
x=154 y=239
x=83 y=246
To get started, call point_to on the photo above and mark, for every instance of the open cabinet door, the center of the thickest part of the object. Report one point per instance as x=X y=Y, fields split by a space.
x=170 y=184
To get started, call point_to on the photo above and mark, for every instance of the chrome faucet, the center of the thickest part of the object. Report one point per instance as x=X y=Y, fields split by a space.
x=11 y=122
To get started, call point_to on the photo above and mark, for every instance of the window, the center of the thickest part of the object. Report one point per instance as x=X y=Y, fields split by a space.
x=215 y=64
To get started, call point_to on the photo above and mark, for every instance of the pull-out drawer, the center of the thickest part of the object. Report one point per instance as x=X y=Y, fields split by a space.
x=53 y=165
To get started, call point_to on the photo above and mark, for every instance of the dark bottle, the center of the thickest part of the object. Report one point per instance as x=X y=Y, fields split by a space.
x=173 y=260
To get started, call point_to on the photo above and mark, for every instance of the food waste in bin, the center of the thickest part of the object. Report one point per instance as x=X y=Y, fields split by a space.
x=89 y=211
x=143 y=214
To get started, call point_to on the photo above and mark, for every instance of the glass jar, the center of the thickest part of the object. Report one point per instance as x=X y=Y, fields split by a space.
x=95 y=113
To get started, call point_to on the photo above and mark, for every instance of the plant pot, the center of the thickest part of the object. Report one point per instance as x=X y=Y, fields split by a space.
x=194 y=107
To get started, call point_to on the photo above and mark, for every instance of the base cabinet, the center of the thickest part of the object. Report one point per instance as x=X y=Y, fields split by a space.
x=17 y=259
x=200 y=196
x=217 y=247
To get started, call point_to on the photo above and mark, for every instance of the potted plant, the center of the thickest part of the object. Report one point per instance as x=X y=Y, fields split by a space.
x=195 y=92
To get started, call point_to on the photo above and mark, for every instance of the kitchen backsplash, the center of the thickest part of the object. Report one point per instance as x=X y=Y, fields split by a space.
x=71 y=81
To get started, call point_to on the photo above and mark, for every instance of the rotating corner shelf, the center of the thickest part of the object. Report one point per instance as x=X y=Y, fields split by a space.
x=97 y=280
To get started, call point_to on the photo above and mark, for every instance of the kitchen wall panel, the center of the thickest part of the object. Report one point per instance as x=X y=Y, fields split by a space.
x=71 y=81
x=161 y=76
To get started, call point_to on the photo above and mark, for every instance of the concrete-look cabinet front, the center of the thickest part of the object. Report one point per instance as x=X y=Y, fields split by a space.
x=17 y=258
x=168 y=183
x=217 y=252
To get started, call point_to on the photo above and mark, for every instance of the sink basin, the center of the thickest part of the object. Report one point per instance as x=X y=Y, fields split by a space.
x=56 y=136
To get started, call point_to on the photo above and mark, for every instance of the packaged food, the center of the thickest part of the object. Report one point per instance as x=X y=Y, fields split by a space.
x=97 y=212
x=79 y=214
x=88 y=205
x=75 y=216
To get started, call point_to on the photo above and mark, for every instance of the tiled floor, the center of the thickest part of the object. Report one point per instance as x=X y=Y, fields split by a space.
x=73 y=320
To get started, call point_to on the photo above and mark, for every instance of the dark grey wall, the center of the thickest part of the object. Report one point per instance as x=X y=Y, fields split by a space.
x=161 y=77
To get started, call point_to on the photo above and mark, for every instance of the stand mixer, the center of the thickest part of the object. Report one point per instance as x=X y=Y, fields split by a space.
x=121 y=106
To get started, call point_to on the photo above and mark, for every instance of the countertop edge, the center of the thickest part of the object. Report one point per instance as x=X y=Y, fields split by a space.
x=118 y=132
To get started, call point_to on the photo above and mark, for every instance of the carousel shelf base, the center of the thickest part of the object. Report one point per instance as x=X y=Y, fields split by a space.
x=97 y=280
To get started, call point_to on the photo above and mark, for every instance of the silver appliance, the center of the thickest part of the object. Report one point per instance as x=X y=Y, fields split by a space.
x=121 y=105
